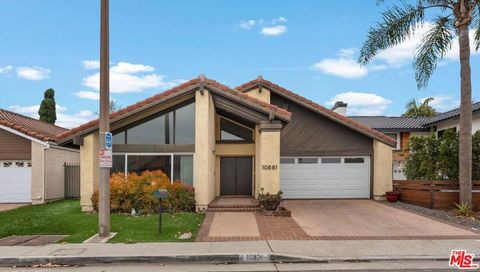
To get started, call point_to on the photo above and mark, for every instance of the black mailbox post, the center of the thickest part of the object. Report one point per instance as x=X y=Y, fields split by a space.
x=161 y=194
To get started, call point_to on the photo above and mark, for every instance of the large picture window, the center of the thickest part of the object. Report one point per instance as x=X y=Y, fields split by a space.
x=175 y=166
x=233 y=132
x=174 y=127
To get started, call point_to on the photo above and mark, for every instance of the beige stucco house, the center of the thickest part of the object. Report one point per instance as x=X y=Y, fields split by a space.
x=31 y=163
x=226 y=141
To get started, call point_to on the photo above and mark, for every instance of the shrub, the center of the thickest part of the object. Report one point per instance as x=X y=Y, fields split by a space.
x=136 y=192
x=437 y=159
x=270 y=202
x=463 y=210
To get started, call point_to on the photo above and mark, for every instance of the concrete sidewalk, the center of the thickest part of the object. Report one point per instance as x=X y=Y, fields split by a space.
x=236 y=252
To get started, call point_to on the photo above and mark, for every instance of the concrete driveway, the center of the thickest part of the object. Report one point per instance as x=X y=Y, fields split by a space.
x=340 y=218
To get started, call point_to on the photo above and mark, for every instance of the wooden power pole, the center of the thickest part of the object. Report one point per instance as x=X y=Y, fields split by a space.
x=104 y=125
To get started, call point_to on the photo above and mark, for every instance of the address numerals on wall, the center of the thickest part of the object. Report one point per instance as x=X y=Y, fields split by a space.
x=269 y=166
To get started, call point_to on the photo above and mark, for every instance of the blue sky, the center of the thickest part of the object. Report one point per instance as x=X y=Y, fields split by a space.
x=309 y=47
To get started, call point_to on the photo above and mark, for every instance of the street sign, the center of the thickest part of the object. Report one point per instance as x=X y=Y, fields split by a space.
x=108 y=140
x=105 y=158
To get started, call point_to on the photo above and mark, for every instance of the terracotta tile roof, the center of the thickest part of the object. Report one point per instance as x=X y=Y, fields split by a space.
x=318 y=108
x=166 y=94
x=29 y=126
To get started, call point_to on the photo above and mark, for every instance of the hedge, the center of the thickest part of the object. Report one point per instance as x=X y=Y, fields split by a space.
x=437 y=159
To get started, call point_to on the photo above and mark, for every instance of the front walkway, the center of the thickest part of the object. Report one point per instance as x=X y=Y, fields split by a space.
x=237 y=219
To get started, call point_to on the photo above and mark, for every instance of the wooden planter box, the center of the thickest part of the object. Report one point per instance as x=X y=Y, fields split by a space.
x=438 y=195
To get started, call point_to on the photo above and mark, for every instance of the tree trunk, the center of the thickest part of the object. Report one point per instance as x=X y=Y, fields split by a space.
x=465 y=133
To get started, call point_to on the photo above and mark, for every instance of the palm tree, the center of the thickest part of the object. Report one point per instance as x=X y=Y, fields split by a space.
x=415 y=109
x=453 y=19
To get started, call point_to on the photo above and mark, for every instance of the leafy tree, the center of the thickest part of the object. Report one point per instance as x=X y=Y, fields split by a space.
x=448 y=155
x=476 y=156
x=454 y=18
x=47 y=110
x=423 y=109
x=114 y=106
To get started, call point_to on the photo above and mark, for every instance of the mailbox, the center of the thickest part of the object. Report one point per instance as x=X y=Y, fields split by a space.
x=160 y=194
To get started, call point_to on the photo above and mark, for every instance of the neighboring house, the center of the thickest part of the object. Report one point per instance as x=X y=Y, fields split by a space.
x=31 y=163
x=239 y=141
x=402 y=128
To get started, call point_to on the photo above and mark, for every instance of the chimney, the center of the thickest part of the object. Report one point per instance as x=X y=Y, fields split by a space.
x=340 y=107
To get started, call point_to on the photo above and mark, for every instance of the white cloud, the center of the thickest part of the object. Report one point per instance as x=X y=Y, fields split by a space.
x=273 y=27
x=443 y=102
x=91 y=64
x=273 y=30
x=247 y=24
x=360 y=103
x=345 y=68
x=6 y=69
x=404 y=53
x=88 y=95
x=33 y=73
x=126 y=77
x=129 y=68
x=63 y=119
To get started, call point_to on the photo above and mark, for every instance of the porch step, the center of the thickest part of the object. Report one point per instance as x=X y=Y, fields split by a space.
x=256 y=209
x=225 y=204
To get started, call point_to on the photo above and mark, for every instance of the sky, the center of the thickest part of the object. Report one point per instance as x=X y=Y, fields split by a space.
x=309 y=47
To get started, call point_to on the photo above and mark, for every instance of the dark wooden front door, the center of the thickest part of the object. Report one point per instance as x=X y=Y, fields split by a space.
x=236 y=176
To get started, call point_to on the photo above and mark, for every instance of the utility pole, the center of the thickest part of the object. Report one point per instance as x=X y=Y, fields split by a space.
x=104 y=125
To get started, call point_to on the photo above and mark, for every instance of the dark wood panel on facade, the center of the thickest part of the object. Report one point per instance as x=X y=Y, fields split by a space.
x=309 y=133
x=14 y=147
x=153 y=148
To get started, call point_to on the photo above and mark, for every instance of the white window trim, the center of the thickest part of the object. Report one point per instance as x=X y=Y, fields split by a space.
x=398 y=146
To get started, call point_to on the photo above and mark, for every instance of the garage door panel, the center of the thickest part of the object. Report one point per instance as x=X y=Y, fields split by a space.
x=15 y=181
x=326 y=180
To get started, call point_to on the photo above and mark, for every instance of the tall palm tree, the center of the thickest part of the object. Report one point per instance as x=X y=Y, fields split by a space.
x=453 y=18
x=415 y=109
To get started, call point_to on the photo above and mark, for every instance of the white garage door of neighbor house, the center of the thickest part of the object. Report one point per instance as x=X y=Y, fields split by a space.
x=15 y=181
x=325 y=177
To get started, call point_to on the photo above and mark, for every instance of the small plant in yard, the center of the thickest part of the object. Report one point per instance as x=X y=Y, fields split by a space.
x=270 y=202
x=133 y=194
x=463 y=209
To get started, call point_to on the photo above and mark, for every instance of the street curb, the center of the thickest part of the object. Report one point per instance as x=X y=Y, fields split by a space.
x=206 y=259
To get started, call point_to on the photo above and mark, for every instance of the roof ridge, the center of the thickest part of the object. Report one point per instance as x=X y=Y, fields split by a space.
x=201 y=79
x=31 y=118
x=339 y=117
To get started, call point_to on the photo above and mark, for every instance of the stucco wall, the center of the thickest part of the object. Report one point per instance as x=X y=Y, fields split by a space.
x=382 y=169
x=89 y=167
x=263 y=95
x=55 y=172
x=204 y=163
x=267 y=163
x=38 y=173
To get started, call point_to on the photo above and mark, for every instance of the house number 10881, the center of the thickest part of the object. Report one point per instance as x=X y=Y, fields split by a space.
x=269 y=166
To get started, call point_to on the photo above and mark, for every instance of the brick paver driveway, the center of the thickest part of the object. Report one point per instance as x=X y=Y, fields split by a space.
x=367 y=219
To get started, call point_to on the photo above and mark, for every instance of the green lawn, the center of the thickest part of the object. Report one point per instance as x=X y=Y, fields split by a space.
x=65 y=217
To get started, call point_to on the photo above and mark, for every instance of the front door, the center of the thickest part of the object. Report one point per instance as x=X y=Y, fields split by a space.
x=236 y=176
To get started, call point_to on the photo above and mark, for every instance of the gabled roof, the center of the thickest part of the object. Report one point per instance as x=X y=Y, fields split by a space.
x=450 y=114
x=392 y=123
x=352 y=124
x=189 y=86
x=29 y=126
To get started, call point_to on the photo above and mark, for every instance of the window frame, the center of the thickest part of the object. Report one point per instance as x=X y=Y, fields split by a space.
x=398 y=139
x=172 y=179
x=238 y=124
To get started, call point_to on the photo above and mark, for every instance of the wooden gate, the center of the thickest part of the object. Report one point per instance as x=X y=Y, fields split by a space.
x=72 y=180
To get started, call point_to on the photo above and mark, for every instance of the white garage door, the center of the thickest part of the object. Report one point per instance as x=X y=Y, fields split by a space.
x=325 y=177
x=15 y=181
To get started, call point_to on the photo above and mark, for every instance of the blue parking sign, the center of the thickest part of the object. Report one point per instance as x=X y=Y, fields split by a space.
x=108 y=140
